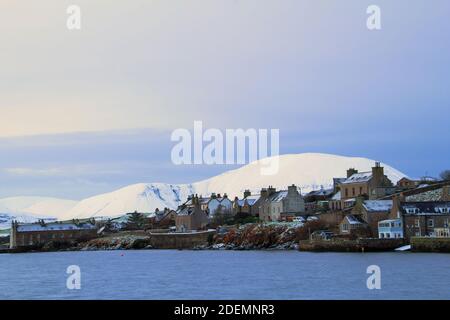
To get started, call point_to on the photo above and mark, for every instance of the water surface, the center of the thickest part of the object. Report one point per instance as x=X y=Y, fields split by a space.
x=172 y=274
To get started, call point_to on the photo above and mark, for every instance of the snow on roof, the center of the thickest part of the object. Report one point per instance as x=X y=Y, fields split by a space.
x=426 y=207
x=278 y=196
x=352 y=219
x=57 y=226
x=321 y=192
x=186 y=211
x=337 y=196
x=252 y=199
x=358 y=177
x=377 y=205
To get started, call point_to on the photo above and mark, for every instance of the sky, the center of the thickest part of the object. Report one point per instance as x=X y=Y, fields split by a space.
x=87 y=111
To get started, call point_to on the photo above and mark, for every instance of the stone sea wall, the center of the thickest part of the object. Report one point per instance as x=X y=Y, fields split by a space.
x=359 y=245
x=419 y=244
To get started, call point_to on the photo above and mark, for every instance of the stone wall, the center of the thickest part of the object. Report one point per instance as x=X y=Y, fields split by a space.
x=421 y=244
x=360 y=245
x=179 y=240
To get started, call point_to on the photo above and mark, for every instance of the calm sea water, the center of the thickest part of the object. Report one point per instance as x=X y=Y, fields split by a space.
x=161 y=274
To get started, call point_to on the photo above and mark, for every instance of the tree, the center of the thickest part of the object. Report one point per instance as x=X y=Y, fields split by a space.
x=135 y=221
x=445 y=175
x=222 y=216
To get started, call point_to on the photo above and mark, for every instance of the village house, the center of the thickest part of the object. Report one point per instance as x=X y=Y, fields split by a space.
x=213 y=204
x=190 y=216
x=418 y=212
x=406 y=183
x=351 y=224
x=37 y=234
x=372 y=184
x=427 y=218
x=248 y=205
x=335 y=203
x=282 y=205
x=163 y=218
x=372 y=212
x=390 y=229
x=318 y=200
x=218 y=203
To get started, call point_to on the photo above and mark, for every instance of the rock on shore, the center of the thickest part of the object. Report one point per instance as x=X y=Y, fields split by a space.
x=257 y=236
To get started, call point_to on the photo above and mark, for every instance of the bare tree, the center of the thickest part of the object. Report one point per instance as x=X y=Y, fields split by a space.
x=445 y=175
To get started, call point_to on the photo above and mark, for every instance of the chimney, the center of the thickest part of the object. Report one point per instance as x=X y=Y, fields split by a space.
x=195 y=200
x=247 y=193
x=264 y=193
x=271 y=190
x=378 y=173
x=292 y=190
x=396 y=201
x=351 y=172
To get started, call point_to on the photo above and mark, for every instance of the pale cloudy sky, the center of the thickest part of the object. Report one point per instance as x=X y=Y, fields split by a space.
x=87 y=111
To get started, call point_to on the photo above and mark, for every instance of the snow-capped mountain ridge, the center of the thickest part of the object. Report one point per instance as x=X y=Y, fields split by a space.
x=308 y=171
x=31 y=209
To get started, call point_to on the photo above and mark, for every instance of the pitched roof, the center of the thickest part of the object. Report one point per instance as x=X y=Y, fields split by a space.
x=252 y=199
x=55 y=226
x=358 y=177
x=337 y=196
x=321 y=192
x=351 y=219
x=277 y=196
x=426 y=208
x=186 y=211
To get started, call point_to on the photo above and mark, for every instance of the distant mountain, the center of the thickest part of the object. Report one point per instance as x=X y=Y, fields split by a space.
x=30 y=209
x=308 y=171
x=137 y=197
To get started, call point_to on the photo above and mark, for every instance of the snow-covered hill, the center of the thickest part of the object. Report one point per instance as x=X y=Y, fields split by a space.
x=141 y=197
x=30 y=209
x=308 y=171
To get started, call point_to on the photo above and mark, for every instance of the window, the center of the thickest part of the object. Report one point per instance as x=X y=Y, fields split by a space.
x=360 y=190
x=353 y=191
x=346 y=192
x=417 y=223
x=430 y=223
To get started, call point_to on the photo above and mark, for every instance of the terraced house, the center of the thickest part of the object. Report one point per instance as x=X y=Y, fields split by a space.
x=282 y=205
x=428 y=218
x=372 y=184
x=35 y=234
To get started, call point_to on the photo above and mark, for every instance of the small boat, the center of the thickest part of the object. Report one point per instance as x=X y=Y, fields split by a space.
x=404 y=248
